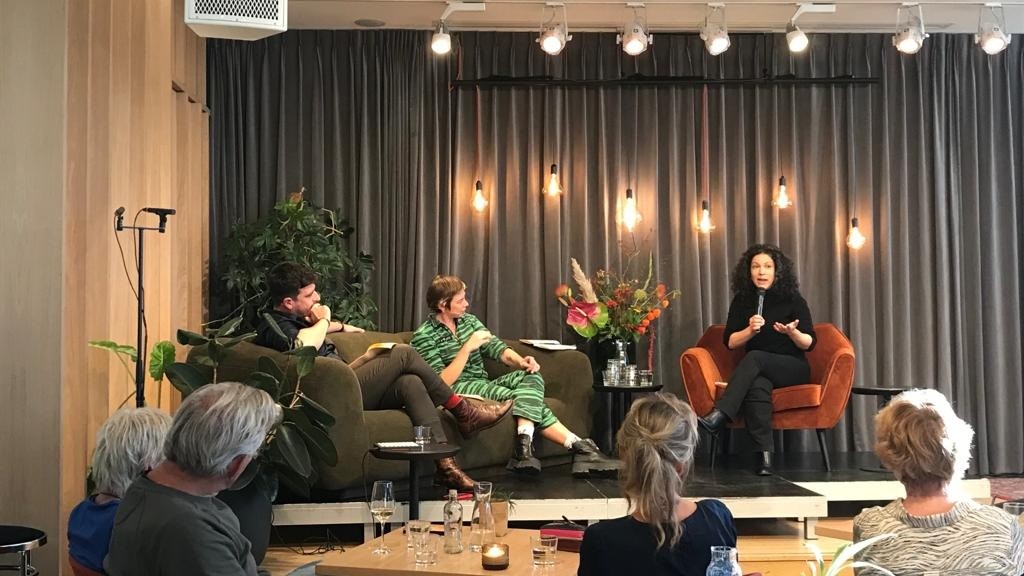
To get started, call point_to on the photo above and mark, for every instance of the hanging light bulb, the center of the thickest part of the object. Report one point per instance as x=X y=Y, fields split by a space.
x=630 y=215
x=855 y=239
x=479 y=202
x=554 y=187
x=782 y=200
x=441 y=41
x=705 y=225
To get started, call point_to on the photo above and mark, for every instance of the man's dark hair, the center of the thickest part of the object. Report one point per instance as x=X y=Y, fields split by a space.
x=785 y=283
x=286 y=279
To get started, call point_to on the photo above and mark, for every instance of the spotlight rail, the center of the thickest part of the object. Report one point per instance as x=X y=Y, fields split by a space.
x=643 y=80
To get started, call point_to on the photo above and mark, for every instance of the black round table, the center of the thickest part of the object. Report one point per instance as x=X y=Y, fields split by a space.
x=619 y=400
x=429 y=452
x=884 y=396
x=21 y=540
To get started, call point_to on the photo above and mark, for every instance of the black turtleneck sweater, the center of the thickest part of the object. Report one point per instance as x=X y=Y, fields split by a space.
x=776 y=309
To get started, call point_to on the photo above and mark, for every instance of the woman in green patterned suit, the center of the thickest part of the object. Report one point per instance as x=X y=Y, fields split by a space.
x=454 y=343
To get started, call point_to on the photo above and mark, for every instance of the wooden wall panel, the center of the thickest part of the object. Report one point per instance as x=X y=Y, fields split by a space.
x=131 y=142
x=33 y=58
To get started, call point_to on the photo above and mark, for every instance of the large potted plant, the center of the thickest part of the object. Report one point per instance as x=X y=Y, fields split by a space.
x=291 y=452
x=298 y=231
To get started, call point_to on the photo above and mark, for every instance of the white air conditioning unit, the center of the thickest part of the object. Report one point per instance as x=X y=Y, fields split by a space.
x=236 y=19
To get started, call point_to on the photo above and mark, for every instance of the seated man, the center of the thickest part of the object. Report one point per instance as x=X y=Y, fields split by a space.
x=455 y=342
x=396 y=379
x=169 y=522
x=128 y=444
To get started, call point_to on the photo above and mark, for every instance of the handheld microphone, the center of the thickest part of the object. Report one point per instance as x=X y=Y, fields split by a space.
x=760 y=301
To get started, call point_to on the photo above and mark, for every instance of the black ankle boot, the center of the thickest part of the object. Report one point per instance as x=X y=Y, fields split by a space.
x=524 y=462
x=588 y=461
x=714 y=421
x=763 y=467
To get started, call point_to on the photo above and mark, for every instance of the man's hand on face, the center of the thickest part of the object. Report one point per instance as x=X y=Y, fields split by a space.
x=319 y=312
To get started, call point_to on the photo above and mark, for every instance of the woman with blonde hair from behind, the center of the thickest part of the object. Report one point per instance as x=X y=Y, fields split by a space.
x=938 y=529
x=665 y=533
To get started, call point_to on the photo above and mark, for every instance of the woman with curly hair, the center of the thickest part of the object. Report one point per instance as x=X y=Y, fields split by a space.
x=771 y=320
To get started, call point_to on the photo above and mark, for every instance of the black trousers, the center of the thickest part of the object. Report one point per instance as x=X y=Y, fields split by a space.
x=402 y=380
x=750 y=391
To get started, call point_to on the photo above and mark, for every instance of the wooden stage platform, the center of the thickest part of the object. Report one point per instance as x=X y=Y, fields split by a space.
x=800 y=490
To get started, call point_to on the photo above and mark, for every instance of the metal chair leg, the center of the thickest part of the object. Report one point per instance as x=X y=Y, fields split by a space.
x=824 y=449
x=714 y=450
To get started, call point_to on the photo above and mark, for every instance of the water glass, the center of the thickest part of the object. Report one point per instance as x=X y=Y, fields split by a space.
x=415 y=529
x=645 y=378
x=421 y=435
x=426 y=548
x=1015 y=509
x=544 y=548
x=629 y=375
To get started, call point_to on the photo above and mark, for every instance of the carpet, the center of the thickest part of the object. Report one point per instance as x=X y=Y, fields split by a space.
x=305 y=570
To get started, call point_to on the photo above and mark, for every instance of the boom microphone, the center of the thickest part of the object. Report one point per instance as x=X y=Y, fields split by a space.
x=162 y=212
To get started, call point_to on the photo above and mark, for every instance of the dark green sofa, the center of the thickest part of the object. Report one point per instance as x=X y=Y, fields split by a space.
x=567 y=376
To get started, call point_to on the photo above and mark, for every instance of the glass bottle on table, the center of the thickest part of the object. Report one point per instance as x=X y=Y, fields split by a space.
x=453 y=524
x=723 y=562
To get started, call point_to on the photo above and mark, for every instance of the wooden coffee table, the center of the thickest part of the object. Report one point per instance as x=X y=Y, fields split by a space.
x=360 y=561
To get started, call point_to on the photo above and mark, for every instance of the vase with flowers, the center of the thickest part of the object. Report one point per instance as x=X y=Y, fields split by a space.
x=615 y=306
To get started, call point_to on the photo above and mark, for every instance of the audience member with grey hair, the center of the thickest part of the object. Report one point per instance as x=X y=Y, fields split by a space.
x=665 y=533
x=939 y=530
x=169 y=521
x=128 y=444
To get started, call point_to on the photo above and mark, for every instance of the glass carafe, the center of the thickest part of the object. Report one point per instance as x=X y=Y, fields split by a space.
x=723 y=562
x=482 y=521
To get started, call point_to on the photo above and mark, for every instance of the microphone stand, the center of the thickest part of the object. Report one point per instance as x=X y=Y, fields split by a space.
x=140 y=361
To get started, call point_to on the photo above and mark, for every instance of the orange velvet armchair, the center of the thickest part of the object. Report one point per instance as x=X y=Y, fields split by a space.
x=818 y=404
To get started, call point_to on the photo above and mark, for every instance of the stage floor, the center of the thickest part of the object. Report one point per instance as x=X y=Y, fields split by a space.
x=800 y=489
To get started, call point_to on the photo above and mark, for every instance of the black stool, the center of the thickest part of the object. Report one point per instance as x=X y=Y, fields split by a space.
x=20 y=540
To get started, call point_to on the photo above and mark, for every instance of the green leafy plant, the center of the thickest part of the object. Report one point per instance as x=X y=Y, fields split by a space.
x=160 y=357
x=291 y=451
x=844 y=557
x=298 y=231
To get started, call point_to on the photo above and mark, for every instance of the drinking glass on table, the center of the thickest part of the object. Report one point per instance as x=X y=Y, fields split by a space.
x=1015 y=509
x=382 y=506
x=421 y=435
x=544 y=548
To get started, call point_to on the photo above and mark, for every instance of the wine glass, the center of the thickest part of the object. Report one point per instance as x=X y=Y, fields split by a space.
x=382 y=506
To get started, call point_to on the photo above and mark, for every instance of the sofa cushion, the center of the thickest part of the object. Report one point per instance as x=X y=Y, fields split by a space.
x=788 y=398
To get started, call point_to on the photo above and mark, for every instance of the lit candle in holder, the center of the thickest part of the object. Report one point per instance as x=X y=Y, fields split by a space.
x=494 y=556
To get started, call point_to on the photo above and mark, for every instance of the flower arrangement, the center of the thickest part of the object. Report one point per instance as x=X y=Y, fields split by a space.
x=614 y=306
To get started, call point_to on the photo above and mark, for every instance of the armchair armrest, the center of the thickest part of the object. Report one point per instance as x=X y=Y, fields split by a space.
x=332 y=384
x=699 y=372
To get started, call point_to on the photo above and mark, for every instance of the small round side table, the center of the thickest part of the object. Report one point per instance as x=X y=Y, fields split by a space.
x=21 y=540
x=619 y=400
x=429 y=452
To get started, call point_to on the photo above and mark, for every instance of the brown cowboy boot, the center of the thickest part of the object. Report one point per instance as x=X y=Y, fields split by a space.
x=472 y=418
x=450 y=476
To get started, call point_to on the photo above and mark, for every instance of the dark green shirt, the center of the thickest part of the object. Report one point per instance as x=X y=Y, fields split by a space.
x=160 y=531
x=438 y=346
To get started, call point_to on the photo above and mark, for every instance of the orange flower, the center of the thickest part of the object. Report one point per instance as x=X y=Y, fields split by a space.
x=641 y=330
x=664 y=303
x=660 y=291
x=656 y=312
x=645 y=323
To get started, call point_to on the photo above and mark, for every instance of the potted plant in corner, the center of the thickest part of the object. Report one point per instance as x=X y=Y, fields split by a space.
x=291 y=452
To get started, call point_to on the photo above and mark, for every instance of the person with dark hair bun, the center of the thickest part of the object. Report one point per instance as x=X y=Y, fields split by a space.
x=771 y=320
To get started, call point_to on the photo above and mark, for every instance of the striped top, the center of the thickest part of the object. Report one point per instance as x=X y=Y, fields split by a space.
x=971 y=539
x=438 y=346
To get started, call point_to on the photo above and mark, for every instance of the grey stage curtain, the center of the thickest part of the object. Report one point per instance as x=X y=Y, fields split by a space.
x=929 y=160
